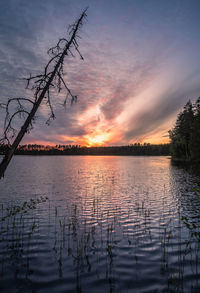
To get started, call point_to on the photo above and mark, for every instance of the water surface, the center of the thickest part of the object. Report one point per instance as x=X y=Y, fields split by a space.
x=99 y=224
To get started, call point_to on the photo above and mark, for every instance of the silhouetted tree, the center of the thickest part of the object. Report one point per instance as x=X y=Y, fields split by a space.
x=51 y=78
x=130 y=150
x=180 y=135
x=195 y=135
x=185 y=136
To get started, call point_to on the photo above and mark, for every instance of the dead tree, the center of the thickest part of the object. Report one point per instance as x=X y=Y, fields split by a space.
x=42 y=85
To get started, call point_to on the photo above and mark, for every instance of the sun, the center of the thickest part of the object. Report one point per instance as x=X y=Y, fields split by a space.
x=97 y=140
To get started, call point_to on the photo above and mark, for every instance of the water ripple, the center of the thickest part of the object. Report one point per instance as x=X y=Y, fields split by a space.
x=99 y=224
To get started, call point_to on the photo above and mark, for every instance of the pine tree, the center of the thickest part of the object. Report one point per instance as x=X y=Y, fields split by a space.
x=195 y=137
x=181 y=134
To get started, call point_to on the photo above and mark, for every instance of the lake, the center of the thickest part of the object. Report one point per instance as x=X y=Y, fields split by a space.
x=99 y=224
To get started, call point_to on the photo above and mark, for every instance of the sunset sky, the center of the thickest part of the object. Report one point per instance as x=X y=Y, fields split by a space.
x=141 y=65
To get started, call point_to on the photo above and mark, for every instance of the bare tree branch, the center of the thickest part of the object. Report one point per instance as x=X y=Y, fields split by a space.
x=42 y=84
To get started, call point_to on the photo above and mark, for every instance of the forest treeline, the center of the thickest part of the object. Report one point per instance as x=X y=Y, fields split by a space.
x=136 y=149
x=185 y=136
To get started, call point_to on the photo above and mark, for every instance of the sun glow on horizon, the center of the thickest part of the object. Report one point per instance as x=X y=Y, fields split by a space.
x=97 y=139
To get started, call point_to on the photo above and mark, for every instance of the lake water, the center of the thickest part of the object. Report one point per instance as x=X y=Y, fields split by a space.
x=99 y=224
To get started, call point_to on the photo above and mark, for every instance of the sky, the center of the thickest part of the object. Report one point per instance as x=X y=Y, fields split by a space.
x=141 y=65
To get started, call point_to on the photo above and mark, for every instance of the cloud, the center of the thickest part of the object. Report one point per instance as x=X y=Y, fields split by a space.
x=137 y=73
x=148 y=119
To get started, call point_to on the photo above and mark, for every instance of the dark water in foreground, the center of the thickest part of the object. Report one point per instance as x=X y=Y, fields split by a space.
x=99 y=224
